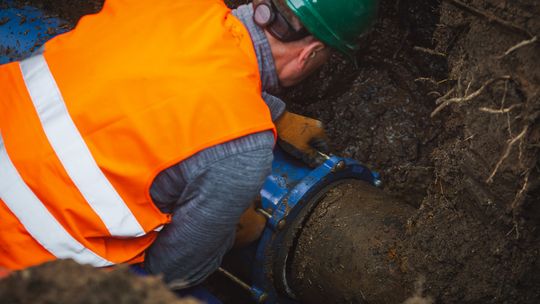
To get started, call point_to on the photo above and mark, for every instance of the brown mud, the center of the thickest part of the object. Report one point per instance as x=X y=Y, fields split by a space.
x=445 y=103
x=466 y=156
x=69 y=282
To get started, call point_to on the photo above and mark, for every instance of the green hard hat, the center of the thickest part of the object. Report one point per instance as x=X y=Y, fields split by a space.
x=338 y=23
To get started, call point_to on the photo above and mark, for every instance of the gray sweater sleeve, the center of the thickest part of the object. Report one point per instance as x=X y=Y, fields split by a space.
x=206 y=195
x=276 y=105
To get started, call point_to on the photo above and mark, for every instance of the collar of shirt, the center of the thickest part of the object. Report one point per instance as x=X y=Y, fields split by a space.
x=267 y=68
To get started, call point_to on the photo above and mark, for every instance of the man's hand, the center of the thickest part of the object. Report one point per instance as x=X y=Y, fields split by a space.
x=250 y=227
x=302 y=137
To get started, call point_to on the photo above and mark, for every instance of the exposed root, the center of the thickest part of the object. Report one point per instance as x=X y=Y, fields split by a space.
x=429 y=51
x=519 y=45
x=500 y=111
x=506 y=153
x=434 y=93
x=446 y=102
x=516 y=204
x=442 y=81
x=490 y=17
x=445 y=97
x=503 y=102
x=468 y=88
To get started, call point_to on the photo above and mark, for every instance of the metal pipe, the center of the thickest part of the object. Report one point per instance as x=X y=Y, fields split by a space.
x=267 y=215
x=257 y=294
x=348 y=250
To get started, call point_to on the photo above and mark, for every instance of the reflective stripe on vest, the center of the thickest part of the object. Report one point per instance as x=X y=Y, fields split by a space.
x=88 y=126
x=72 y=151
x=37 y=220
x=78 y=162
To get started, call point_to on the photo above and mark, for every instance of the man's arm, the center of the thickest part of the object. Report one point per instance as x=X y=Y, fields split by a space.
x=276 y=105
x=219 y=185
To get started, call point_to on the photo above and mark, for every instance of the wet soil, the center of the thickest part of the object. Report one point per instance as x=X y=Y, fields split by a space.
x=474 y=239
x=69 y=282
x=472 y=168
x=478 y=224
x=379 y=113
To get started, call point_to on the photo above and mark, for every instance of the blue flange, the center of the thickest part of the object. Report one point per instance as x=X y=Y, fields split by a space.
x=285 y=193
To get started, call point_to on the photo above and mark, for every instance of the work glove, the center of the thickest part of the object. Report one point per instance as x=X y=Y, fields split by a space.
x=250 y=226
x=303 y=138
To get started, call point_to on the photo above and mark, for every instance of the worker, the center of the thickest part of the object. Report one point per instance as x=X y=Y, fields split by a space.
x=145 y=133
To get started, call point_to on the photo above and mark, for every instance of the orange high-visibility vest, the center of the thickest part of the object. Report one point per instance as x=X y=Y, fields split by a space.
x=87 y=125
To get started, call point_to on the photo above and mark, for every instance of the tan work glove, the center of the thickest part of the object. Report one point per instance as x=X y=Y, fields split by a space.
x=250 y=226
x=302 y=137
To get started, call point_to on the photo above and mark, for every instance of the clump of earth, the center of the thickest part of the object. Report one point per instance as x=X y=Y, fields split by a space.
x=69 y=282
x=445 y=104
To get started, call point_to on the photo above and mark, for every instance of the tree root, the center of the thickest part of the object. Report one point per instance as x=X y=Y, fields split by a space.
x=504 y=156
x=445 y=97
x=518 y=46
x=491 y=18
x=516 y=204
x=444 y=102
x=429 y=51
x=500 y=111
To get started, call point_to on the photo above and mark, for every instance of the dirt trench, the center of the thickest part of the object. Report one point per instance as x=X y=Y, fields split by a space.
x=445 y=105
x=478 y=224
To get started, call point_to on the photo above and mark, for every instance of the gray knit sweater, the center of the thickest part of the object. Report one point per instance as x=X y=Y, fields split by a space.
x=208 y=192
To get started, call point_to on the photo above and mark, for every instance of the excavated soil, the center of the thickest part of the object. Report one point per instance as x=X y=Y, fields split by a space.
x=478 y=223
x=445 y=105
x=467 y=157
x=69 y=282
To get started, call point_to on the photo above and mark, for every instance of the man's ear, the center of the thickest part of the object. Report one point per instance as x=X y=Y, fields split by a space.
x=309 y=52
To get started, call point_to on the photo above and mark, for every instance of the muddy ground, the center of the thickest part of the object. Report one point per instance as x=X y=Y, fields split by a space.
x=445 y=104
x=69 y=282
x=466 y=156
